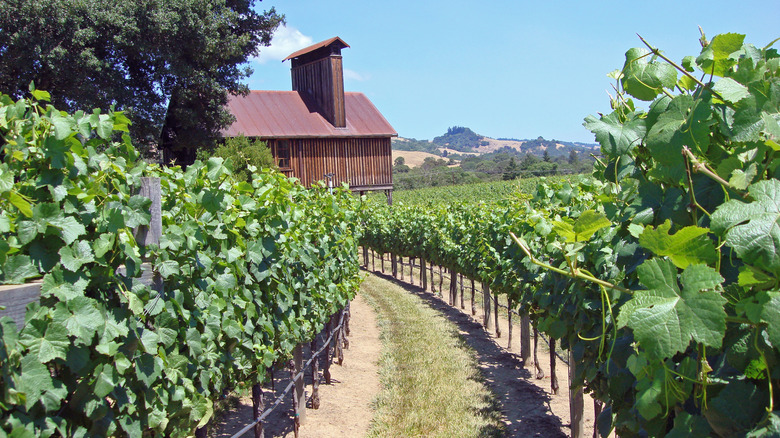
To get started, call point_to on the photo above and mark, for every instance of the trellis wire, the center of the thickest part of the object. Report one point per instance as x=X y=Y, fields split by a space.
x=448 y=277
x=290 y=385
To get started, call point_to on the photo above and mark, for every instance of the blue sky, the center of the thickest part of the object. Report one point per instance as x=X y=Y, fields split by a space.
x=503 y=68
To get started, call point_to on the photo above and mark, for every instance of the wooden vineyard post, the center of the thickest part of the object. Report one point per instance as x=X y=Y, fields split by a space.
x=383 y=262
x=525 y=338
x=576 y=402
x=553 y=375
x=509 y=317
x=401 y=263
x=411 y=271
x=423 y=275
x=486 y=306
x=460 y=277
x=365 y=257
x=393 y=265
x=294 y=394
x=315 y=376
x=430 y=268
x=373 y=260
x=257 y=408
x=326 y=352
x=146 y=235
x=453 y=290
x=495 y=309
x=347 y=314
x=473 y=304
x=539 y=370
x=339 y=338
x=441 y=282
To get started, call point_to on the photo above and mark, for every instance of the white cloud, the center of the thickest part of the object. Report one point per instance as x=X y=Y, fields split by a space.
x=355 y=76
x=286 y=40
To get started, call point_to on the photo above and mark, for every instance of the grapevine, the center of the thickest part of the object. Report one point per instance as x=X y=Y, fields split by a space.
x=250 y=270
x=660 y=273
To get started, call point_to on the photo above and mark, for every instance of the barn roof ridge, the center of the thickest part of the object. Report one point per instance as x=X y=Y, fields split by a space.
x=282 y=113
x=316 y=46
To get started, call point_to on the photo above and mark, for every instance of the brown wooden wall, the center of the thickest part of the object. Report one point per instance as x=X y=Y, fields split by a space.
x=324 y=81
x=363 y=163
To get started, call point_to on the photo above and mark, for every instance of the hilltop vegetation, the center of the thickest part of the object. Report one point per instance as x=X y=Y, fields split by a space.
x=492 y=160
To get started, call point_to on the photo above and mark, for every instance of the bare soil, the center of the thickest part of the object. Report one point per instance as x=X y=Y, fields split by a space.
x=345 y=405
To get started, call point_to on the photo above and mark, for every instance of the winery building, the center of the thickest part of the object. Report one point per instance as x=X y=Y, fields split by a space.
x=317 y=130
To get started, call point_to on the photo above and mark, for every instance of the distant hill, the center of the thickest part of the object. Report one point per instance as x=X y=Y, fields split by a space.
x=459 y=139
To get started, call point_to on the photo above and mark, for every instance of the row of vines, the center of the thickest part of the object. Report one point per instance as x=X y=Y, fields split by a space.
x=250 y=270
x=661 y=273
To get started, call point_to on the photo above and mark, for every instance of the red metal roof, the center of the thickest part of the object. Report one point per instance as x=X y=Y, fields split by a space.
x=314 y=47
x=286 y=114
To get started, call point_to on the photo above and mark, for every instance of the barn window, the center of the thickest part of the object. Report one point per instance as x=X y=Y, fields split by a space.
x=282 y=154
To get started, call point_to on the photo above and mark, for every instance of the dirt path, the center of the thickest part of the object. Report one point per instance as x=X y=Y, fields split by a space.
x=345 y=404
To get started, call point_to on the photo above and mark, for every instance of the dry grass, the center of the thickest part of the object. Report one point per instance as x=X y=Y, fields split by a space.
x=431 y=385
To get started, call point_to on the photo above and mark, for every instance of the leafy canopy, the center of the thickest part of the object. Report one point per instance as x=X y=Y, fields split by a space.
x=136 y=56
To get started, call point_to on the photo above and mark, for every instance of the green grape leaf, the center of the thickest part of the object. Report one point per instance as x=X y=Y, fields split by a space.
x=63 y=125
x=666 y=318
x=690 y=245
x=35 y=380
x=589 y=222
x=84 y=321
x=73 y=257
x=730 y=90
x=687 y=425
x=106 y=380
x=22 y=204
x=168 y=268
x=665 y=142
x=722 y=416
x=148 y=368
x=71 y=228
x=18 y=268
x=770 y=314
x=46 y=341
x=715 y=59
x=615 y=137
x=752 y=229
x=645 y=79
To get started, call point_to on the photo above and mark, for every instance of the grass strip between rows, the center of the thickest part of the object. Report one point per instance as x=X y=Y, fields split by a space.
x=431 y=384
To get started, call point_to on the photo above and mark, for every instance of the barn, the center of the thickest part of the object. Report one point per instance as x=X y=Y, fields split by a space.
x=318 y=131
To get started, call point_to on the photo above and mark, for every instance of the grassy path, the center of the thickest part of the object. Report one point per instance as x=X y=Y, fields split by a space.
x=431 y=383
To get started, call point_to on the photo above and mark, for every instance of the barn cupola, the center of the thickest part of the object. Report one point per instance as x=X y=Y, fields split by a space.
x=317 y=73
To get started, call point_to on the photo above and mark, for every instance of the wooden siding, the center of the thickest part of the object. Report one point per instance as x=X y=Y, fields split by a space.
x=323 y=80
x=363 y=163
